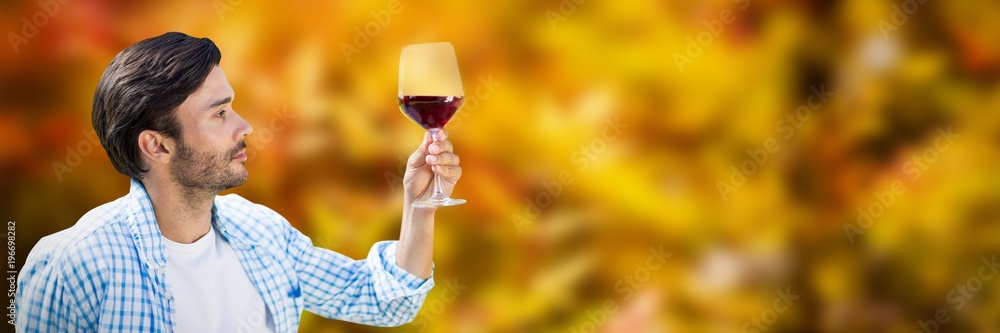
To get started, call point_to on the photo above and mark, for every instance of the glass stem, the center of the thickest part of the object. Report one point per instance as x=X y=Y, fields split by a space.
x=438 y=193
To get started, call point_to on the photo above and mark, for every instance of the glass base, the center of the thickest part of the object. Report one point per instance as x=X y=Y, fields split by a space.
x=431 y=203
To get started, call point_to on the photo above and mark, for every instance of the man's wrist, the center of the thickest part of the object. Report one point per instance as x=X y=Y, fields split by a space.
x=417 y=213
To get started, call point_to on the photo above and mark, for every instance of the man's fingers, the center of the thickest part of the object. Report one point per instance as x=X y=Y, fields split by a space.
x=417 y=159
x=440 y=147
x=442 y=159
x=433 y=152
x=450 y=173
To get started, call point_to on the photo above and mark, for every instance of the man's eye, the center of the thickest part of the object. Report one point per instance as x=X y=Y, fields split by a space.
x=221 y=114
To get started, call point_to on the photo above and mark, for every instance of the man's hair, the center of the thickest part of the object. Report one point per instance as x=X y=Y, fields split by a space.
x=142 y=87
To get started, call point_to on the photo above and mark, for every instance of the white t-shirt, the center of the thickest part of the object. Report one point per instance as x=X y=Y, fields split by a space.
x=212 y=292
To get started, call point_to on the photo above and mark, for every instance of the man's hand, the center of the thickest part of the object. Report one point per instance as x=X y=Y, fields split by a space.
x=415 y=251
x=430 y=158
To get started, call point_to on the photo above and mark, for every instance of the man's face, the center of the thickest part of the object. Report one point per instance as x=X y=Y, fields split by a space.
x=211 y=150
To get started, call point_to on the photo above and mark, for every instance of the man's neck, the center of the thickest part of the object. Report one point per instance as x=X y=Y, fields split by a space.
x=183 y=214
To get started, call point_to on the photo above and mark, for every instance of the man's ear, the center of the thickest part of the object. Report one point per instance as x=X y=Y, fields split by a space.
x=156 y=146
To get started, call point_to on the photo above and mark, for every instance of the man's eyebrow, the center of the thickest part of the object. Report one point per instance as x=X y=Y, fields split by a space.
x=217 y=103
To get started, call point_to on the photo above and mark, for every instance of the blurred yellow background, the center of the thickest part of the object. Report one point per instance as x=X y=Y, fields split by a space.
x=630 y=166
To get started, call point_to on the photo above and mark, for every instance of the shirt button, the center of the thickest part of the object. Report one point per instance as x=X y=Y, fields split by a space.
x=168 y=295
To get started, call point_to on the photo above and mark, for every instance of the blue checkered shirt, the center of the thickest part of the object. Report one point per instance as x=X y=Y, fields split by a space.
x=106 y=273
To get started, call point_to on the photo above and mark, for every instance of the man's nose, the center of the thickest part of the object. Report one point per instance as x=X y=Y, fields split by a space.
x=244 y=129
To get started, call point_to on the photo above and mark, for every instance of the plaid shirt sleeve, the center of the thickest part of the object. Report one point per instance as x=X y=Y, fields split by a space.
x=374 y=291
x=59 y=293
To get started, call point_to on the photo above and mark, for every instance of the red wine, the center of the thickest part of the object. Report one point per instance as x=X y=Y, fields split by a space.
x=430 y=111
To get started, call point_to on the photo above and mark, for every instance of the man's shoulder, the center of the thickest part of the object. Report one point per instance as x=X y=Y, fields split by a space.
x=249 y=219
x=76 y=263
x=98 y=232
x=235 y=205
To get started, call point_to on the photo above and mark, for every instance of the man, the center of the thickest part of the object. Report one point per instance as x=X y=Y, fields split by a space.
x=172 y=255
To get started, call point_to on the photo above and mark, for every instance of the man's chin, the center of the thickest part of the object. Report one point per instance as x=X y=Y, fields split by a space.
x=237 y=178
x=241 y=177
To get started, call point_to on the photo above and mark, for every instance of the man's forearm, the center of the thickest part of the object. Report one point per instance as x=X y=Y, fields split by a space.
x=415 y=251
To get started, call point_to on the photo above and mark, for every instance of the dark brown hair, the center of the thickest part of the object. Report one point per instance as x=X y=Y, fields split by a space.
x=142 y=87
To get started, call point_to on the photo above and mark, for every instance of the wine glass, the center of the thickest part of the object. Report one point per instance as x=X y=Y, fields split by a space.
x=430 y=92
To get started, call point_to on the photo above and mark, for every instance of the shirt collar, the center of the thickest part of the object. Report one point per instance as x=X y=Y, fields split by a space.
x=145 y=232
x=142 y=225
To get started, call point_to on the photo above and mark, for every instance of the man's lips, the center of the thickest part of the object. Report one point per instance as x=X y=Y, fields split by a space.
x=241 y=156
